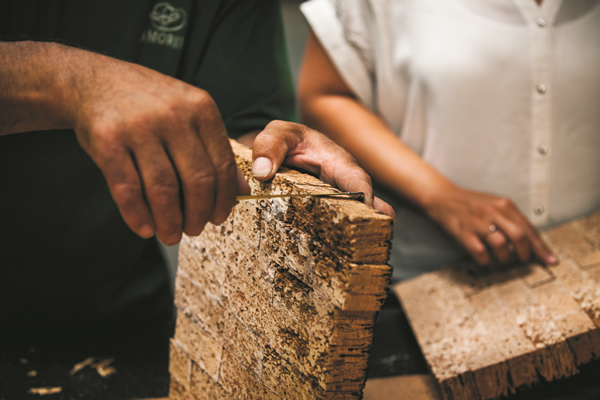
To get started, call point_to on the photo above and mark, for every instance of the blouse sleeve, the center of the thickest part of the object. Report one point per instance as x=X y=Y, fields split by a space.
x=343 y=29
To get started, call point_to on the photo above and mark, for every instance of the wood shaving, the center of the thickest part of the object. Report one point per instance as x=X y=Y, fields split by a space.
x=81 y=365
x=538 y=326
x=103 y=367
x=106 y=371
x=32 y=373
x=588 y=298
x=42 y=391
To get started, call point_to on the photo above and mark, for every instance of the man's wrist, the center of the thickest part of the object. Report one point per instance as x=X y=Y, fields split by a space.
x=39 y=88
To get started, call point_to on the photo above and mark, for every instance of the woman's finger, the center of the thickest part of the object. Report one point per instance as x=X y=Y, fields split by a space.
x=499 y=245
x=516 y=233
x=474 y=245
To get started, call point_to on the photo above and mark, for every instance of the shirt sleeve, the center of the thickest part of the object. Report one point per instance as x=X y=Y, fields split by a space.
x=343 y=29
x=245 y=67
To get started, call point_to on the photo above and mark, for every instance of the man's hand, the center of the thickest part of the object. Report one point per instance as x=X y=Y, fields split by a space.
x=488 y=226
x=160 y=143
x=296 y=146
x=162 y=147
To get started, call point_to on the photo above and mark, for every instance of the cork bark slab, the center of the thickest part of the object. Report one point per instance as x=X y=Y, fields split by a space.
x=406 y=387
x=279 y=301
x=491 y=333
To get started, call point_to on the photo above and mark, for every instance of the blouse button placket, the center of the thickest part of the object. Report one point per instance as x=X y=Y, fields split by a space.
x=542 y=120
x=540 y=28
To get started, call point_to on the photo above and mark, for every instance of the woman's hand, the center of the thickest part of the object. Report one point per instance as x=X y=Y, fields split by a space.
x=487 y=226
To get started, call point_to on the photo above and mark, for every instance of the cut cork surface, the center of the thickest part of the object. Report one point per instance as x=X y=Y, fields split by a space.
x=407 y=387
x=279 y=301
x=492 y=333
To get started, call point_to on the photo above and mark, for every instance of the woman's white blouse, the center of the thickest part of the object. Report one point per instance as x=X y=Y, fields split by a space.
x=500 y=96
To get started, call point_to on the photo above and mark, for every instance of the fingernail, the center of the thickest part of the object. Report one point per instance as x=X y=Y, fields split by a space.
x=170 y=240
x=146 y=231
x=552 y=259
x=173 y=240
x=261 y=167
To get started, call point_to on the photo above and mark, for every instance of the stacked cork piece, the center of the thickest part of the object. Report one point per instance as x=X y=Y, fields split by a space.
x=491 y=333
x=279 y=301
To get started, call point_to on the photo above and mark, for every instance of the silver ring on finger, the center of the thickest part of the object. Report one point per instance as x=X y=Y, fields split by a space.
x=491 y=229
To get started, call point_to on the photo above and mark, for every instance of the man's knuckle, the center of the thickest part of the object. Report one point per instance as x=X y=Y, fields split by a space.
x=226 y=167
x=105 y=139
x=356 y=173
x=162 y=193
x=164 y=188
x=168 y=115
x=286 y=126
x=202 y=99
x=278 y=124
x=126 y=192
x=200 y=180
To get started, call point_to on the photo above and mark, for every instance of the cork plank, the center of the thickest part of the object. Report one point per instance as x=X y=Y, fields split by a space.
x=202 y=268
x=241 y=383
x=204 y=386
x=202 y=348
x=414 y=387
x=536 y=274
x=180 y=366
x=572 y=238
x=279 y=301
x=489 y=333
x=178 y=391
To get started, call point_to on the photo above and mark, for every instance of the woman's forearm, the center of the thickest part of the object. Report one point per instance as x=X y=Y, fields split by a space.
x=387 y=159
x=327 y=104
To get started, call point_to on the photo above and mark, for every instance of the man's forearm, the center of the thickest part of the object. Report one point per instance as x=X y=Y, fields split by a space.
x=36 y=84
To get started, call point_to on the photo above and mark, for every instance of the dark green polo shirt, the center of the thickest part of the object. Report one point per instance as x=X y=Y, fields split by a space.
x=66 y=256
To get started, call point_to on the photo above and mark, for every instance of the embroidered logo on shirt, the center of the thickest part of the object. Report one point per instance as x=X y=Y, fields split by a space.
x=165 y=19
